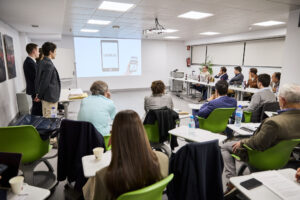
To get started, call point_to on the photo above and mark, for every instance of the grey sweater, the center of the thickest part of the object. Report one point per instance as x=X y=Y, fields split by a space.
x=262 y=96
x=158 y=101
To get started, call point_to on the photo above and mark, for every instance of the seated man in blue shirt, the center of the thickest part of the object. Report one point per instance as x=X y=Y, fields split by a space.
x=219 y=100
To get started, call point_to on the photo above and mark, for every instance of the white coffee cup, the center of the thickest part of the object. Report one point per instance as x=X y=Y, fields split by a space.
x=16 y=184
x=98 y=152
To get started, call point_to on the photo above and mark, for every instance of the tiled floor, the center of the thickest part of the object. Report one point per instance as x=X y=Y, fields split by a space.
x=123 y=100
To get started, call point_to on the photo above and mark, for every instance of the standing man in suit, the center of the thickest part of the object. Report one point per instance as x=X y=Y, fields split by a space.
x=30 y=68
x=47 y=81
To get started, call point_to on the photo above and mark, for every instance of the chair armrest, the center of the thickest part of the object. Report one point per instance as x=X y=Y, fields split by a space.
x=247 y=147
x=247 y=116
x=201 y=121
x=236 y=157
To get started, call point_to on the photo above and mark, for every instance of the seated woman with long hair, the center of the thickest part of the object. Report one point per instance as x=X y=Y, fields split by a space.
x=134 y=164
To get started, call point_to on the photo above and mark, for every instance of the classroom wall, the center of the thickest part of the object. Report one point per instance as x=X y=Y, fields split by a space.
x=291 y=66
x=9 y=88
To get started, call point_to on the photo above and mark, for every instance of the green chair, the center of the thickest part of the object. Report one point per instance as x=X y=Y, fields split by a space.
x=273 y=158
x=27 y=141
x=152 y=131
x=217 y=120
x=106 y=141
x=247 y=116
x=152 y=192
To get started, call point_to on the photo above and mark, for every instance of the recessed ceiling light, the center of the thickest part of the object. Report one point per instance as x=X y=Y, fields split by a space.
x=209 y=33
x=171 y=37
x=98 y=22
x=116 y=6
x=89 y=30
x=269 y=23
x=195 y=15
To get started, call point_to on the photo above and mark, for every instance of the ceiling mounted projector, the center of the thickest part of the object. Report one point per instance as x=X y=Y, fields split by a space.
x=158 y=29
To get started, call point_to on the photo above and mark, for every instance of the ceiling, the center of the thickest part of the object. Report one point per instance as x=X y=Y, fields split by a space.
x=69 y=16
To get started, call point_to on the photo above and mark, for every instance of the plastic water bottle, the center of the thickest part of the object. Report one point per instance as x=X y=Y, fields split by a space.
x=238 y=116
x=53 y=112
x=192 y=124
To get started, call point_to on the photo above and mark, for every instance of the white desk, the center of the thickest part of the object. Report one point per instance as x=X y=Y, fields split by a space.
x=195 y=106
x=239 y=131
x=199 y=135
x=91 y=165
x=243 y=103
x=271 y=114
x=29 y=193
x=261 y=192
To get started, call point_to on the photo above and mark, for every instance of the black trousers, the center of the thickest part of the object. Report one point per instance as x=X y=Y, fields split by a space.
x=36 y=107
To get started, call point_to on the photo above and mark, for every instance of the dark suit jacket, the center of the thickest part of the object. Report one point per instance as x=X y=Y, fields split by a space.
x=238 y=79
x=47 y=81
x=223 y=77
x=222 y=102
x=30 y=68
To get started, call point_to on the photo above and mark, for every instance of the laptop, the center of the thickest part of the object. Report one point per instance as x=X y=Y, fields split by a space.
x=12 y=161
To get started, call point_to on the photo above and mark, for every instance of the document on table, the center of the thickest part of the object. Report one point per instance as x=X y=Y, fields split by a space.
x=280 y=185
x=251 y=126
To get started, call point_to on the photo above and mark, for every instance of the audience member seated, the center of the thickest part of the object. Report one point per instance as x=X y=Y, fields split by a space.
x=283 y=126
x=218 y=100
x=238 y=78
x=204 y=77
x=275 y=81
x=252 y=81
x=98 y=108
x=159 y=98
x=134 y=164
x=264 y=95
x=222 y=74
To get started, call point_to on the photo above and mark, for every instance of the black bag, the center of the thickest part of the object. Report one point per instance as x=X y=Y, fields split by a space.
x=47 y=127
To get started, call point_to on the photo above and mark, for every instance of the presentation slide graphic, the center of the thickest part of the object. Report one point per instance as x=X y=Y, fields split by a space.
x=102 y=57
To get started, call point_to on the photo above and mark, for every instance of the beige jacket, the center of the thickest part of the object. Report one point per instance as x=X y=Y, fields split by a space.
x=95 y=188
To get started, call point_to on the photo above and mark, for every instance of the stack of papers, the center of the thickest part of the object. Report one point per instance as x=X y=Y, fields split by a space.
x=77 y=94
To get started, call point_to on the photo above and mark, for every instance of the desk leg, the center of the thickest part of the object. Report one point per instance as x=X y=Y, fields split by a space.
x=242 y=96
x=66 y=109
x=209 y=92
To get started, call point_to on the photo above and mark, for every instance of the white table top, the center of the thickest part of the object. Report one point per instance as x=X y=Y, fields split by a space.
x=261 y=192
x=239 y=131
x=195 y=106
x=199 y=135
x=91 y=165
x=270 y=114
x=240 y=89
x=33 y=193
x=64 y=95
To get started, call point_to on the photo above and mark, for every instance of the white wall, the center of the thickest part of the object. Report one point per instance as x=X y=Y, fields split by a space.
x=291 y=66
x=8 y=88
x=158 y=59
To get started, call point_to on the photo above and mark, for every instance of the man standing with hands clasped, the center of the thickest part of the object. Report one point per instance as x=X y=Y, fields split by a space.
x=47 y=80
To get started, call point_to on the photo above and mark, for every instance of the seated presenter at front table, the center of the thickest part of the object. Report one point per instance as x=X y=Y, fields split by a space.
x=98 y=108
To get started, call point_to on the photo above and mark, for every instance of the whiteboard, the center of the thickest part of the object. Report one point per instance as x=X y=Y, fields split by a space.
x=65 y=62
x=264 y=52
x=198 y=54
x=226 y=54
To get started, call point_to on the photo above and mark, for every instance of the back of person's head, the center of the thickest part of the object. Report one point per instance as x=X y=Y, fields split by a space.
x=223 y=69
x=253 y=70
x=238 y=68
x=290 y=92
x=99 y=88
x=47 y=47
x=277 y=75
x=30 y=47
x=205 y=66
x=134 y=164
x=41 y=56
x=264 y=79
x=158 y=87
x=222 y=87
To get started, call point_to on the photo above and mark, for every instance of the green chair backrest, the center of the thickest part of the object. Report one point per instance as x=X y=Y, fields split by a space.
x=152 y=131
x=273 y=158
x=106 y=141
x=152 y=192
x=217 y=120
x=247 y=116
x=25 y=140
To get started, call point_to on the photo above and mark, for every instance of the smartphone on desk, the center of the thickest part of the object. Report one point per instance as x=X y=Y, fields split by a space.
x=251 y=183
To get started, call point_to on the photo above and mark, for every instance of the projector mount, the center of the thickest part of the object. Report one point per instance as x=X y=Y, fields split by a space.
x=158 y=29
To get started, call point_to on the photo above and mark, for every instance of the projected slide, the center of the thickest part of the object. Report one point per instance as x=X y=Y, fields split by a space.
x=98 y=57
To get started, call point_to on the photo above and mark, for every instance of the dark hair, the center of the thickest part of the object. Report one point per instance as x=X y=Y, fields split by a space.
x=41 y=56
x=134 y=164
x=264 y=79
x=158 y=87
x=205 y=66
x=253 y=70
x=223 y=69
x=277 y=75
x=238 y=68
x=222 y=87
x=99 y=88
x=47 y=47
x=30 y=47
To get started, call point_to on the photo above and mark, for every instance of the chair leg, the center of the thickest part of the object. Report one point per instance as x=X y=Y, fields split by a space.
x=27 y=173
x=242 y=169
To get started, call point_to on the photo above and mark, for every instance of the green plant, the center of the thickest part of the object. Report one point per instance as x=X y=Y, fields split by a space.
x=209 y=64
